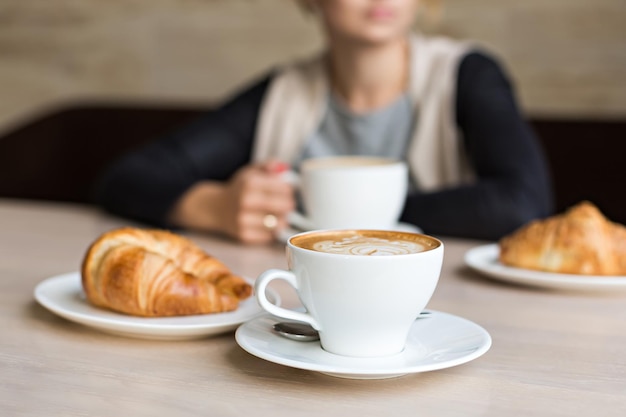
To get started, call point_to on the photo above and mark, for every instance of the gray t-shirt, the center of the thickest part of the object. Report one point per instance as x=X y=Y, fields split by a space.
x=384 y=132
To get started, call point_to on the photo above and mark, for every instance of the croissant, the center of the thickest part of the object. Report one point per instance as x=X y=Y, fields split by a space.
x=579 y=241
x=154 y=273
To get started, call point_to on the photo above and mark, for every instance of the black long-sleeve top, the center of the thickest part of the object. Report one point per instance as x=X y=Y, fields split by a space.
x=512 y=187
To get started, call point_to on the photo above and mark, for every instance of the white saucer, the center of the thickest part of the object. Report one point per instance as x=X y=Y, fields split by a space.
x=285 y=234
x=484 y=259
x=63 y=295
x=440 y=341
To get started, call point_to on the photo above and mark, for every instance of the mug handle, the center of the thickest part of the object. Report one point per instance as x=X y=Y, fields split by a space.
x=259 y=288
x=296 y=218
x=300 y=221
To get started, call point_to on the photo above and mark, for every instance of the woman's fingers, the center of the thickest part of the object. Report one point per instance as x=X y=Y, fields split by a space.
x=275 y=167
x=263 y=201
x=259 y=227
x=267 y=192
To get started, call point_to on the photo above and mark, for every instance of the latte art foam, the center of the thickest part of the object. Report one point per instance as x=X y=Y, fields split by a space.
x=368 y=246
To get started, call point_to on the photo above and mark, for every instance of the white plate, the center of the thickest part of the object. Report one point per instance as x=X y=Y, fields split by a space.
x=484 y=259
x=284 y=235
x=63 y=295
x=437 y=342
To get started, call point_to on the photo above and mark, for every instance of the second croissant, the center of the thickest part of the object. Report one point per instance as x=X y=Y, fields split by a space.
x=153 y=273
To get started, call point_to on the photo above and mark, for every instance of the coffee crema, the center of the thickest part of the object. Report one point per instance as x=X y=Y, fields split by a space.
x=365 y=242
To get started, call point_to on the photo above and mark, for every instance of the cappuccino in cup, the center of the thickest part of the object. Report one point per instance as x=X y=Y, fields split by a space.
x=364 y=243
x=362 y=289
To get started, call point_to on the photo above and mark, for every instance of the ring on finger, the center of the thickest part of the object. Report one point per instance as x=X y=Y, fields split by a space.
x=270 y=221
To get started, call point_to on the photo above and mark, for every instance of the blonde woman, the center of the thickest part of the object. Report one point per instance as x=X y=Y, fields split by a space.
x=378 y=88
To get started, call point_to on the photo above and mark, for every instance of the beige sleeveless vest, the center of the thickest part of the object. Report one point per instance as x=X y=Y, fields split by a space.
x=295 y=102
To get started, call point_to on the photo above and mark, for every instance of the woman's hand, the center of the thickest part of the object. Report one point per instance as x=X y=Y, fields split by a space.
x=251 y=207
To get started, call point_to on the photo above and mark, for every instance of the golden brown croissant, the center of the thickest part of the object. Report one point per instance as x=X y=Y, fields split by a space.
x=157 y=273
x=580 y=241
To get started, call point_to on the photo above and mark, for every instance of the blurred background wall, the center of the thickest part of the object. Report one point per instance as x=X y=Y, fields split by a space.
x=566 y=57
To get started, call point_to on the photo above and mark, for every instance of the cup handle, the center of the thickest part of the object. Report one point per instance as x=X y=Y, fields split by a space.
x=259 y=288
x=291 y=177
x=300 y=221
x=296 y=218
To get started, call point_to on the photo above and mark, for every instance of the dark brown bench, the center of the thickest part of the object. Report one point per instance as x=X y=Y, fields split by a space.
x=57 y=156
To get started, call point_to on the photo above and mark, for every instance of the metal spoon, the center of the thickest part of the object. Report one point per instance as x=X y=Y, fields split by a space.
x=303 y=332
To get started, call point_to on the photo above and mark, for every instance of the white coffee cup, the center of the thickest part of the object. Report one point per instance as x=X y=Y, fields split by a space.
x=350 y=192
x=363 y=305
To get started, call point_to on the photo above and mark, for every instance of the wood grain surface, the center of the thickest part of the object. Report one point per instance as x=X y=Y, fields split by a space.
x=554 y=353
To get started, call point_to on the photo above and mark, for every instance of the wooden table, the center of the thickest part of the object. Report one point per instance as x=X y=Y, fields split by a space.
x=553 y=353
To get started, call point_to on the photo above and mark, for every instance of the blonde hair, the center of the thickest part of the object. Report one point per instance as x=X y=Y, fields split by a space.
x=432 y=10
x=431 y=6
